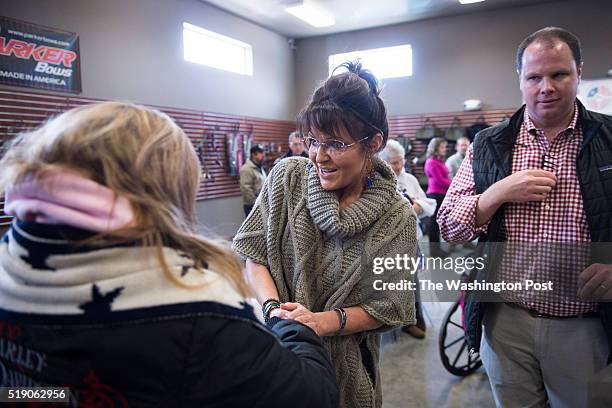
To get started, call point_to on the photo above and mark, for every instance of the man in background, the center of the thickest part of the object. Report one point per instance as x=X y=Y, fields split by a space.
x=252 y=176
x=296 y=147
x=453 y=162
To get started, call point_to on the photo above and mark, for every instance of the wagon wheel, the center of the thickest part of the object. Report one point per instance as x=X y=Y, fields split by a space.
x=453 y=347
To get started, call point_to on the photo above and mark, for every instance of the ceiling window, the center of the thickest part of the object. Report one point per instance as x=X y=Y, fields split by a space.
x=389 y=62
x=215 y=50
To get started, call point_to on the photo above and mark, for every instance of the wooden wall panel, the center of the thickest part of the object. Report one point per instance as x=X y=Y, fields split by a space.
x=22 y=111
x=407 y=125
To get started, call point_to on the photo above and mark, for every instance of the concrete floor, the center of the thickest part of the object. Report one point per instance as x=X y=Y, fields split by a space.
x=413 y=375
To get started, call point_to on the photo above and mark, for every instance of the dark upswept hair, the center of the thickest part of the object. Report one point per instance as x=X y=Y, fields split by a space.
x=549 y=36
x=348 y=101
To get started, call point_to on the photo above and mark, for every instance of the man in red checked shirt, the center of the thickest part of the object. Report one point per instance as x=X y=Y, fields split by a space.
x=541 y=183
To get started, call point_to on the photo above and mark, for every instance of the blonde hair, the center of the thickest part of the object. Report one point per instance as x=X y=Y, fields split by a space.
x=140 y=154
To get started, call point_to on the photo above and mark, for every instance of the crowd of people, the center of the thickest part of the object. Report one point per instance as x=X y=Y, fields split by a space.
x=109 y=290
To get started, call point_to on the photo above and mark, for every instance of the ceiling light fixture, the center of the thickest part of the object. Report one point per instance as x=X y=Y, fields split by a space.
x=469 y=1
x=311 y=14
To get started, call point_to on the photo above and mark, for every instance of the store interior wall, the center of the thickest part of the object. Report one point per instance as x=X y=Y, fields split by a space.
x=132 y=50
x=462 y=57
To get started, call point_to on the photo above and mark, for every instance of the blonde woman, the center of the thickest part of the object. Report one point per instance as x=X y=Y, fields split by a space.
x=107 y=289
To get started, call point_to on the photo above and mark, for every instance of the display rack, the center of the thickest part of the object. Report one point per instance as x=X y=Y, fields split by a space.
x=21 y=111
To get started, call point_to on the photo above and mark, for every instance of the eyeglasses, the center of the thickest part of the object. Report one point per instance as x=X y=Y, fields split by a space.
x=333 y=146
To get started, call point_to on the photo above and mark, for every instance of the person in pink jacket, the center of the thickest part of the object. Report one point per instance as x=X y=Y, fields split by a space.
x=439 y=181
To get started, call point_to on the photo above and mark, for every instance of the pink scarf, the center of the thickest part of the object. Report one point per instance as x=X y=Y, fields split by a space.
x=67 y=198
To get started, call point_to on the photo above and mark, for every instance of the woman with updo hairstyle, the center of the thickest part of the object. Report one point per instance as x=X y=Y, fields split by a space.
x=321 y=227
x=108 y=289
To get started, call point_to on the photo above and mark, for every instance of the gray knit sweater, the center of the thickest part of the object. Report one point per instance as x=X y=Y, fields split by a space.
x=322 y=257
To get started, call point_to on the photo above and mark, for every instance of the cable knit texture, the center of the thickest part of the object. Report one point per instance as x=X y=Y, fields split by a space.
x=322 y=257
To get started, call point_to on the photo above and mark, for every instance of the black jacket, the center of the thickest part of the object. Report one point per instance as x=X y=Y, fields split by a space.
x=191 y=354
x=492 y=162
x=185 y=361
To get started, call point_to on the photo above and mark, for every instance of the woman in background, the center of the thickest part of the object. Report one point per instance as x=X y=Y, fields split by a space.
x=106 y=284
x=439 y=181
x=319 y=224
x=395 y=155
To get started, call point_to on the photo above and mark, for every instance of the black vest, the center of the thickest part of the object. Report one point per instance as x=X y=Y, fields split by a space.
x=492 y=161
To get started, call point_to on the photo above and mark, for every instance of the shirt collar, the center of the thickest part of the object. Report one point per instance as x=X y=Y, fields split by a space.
x=534 y=131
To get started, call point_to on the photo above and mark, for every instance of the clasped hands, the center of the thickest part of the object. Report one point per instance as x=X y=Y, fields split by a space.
x=299 y=313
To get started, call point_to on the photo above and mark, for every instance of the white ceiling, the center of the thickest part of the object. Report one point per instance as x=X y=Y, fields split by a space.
x=353 y=14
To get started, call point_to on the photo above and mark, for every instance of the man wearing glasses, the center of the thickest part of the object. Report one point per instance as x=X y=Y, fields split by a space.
x=543 y=177
x=296 y=146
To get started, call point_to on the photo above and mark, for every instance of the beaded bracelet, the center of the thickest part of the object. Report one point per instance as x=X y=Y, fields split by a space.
x=342 y=317
x=267 y=308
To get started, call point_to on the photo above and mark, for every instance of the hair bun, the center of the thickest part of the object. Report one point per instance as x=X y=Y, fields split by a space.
x=356 y=67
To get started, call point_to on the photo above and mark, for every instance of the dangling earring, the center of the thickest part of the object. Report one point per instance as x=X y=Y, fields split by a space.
x=368 y=181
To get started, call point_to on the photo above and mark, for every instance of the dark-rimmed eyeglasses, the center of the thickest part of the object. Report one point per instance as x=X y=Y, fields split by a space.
x=333 y=146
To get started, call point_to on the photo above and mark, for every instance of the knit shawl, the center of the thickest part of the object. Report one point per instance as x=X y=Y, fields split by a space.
x=322 y=257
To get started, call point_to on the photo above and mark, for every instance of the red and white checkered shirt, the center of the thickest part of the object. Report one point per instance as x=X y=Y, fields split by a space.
x=560 y=218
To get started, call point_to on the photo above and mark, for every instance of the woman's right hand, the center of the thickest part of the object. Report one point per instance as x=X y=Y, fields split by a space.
x=280 y=313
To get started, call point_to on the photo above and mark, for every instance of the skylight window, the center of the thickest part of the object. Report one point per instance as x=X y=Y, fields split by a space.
x=215 y=50
x=389 y=62
x=311 y=14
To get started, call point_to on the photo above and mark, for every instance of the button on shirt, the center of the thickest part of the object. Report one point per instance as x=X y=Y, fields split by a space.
x=560 y=218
